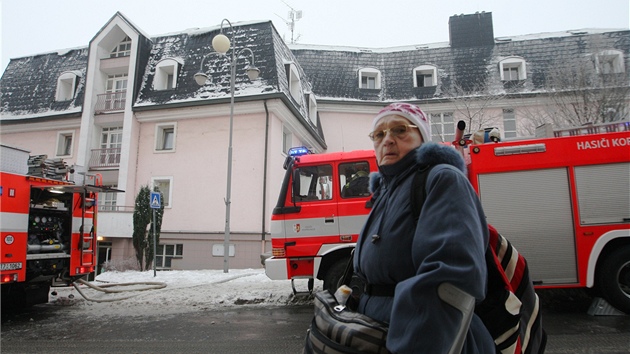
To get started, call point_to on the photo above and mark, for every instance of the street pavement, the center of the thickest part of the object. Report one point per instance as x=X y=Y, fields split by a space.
x=256 y=329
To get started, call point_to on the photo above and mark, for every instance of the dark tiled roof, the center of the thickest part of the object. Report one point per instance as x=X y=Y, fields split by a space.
x=189 y=48
x=333 y=72
x=28 y=85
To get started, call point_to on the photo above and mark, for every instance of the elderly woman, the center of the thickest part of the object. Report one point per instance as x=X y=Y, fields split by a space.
x=403 y=261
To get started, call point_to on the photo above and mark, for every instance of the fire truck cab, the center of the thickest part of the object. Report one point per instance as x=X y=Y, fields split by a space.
x=323 y=202
x=47 y=231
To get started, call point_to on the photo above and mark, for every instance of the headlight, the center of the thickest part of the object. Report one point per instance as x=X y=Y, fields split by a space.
x=8 y=239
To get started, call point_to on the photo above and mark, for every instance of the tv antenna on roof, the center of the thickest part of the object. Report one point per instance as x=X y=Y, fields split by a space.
x=294 y=15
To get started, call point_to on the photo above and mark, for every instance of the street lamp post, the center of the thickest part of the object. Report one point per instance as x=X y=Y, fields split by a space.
x=221 y=44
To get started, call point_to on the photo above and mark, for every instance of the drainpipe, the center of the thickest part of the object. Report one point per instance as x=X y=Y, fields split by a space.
x=264 y=196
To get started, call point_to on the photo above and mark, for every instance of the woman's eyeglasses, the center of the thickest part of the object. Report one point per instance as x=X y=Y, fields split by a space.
x=397 y=131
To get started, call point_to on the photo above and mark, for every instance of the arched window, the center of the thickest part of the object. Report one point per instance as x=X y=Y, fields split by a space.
x=293 y=77
x=67 y=84
x=166 y=72
x=609 y=62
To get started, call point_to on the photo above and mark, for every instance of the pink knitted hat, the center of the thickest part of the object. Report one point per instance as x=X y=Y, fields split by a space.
x=413 y=113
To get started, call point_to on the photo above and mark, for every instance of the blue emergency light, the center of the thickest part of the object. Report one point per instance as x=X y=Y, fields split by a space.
x=298 y=151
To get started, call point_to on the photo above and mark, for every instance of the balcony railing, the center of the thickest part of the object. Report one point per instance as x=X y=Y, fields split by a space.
x=105 y=158
x=113 y=101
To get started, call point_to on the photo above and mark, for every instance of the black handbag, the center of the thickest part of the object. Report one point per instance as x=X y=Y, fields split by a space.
x=338 y=329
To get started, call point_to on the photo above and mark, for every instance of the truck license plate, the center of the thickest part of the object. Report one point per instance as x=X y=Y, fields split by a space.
x=10 y=266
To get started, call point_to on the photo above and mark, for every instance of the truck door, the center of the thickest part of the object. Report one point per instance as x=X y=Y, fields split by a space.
x=313 y=188
x=354 y=193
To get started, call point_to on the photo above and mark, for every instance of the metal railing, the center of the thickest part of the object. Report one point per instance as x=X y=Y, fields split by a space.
x=619 y=126
x=113 y=101
x=105 y=158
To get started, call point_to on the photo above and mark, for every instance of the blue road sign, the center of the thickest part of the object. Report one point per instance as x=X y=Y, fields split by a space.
x=155 y=200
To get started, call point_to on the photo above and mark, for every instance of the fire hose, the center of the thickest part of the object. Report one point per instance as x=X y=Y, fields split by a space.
x=103 y=288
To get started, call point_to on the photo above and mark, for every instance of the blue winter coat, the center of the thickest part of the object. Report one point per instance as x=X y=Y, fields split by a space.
x=446 y=245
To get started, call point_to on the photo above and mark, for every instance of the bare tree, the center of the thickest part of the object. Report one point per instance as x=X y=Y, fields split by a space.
x=475 y=104
x=590 y=89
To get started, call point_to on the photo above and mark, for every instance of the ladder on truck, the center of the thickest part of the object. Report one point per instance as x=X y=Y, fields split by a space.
x=89 y=207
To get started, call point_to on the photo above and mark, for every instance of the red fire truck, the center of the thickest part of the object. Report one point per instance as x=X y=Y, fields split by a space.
x=47 y=231
x=563 y=201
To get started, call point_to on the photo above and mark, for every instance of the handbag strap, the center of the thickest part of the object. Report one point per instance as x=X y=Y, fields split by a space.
x=348 y=272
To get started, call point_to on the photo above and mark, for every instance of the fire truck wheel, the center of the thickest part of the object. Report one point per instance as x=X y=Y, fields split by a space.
x=613 y=279
x=334 y=274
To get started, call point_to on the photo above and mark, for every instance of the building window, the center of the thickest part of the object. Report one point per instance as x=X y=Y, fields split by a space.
x=370 y=78
x=64 y=143
x=512 y=69
x=165 y=254
x=67 y=85
x=425 y=76
x=312 y=108
x=509 y=123
x=293 y=78
x=442 y=127
x=609 y=62
x=111 y=143
x=166 y=75
x=164 y=186
x=116 y=88
x=165 y=137
x=287 y=139
x=123 y=49
x=107 y=201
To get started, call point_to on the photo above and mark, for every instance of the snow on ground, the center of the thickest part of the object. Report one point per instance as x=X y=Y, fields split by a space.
x=184 y=291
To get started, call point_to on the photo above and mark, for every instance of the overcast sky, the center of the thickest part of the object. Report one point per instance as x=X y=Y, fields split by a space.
x=38 y=26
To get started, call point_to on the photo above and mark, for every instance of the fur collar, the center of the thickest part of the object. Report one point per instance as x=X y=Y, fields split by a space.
x=428 y=154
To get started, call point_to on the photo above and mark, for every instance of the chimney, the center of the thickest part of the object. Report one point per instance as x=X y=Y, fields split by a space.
x=472 y=30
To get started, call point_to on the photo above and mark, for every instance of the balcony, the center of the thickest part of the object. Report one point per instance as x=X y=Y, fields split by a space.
x=105 y=158
x=109 y=102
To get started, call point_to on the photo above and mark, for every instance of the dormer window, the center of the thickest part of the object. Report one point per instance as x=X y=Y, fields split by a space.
x=67 y=85
x=425 y=76
x=293 y=78
x=609 y=62
x=370 y=78
x=512 y=69
x=312 y=108
x=123 y=49
x=166 y=75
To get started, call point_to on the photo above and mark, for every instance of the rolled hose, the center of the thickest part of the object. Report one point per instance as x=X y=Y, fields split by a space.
x=103 y=288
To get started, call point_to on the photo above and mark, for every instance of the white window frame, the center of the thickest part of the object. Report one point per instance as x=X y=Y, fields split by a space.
x=439 y=125
x=166 y=75
x=370 y=73
x=425 y=70
x=175 y=255
x=312 y=108
x=609 y=62
x=166 y=195
x=511 y=63
x=509 y=115
x=293 y=78
x=67 y=86
x=64 y=149
x=160 y=137
x=122 y=49
x=107 y=200
x=287 y=139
